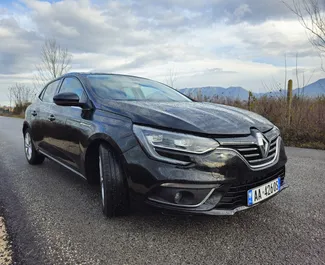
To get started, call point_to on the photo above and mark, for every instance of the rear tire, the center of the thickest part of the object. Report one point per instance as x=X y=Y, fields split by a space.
x=33 y=157
x=114 y=191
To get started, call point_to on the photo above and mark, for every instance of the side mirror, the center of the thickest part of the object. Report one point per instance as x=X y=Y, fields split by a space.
x=67 y=99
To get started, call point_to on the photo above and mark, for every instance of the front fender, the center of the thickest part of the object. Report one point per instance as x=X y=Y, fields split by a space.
x=114 y=129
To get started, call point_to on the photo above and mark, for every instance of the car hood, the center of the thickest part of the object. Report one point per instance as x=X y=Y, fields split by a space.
x=196 y=117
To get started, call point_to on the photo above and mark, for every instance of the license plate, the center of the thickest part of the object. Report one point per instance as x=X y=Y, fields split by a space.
x=263 y=192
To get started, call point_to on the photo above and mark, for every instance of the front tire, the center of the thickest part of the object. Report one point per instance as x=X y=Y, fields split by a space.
x=114 y=192
x=32 y=156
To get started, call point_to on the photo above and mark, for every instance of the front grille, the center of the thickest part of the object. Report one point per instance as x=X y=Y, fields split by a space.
x=253 y=155
x=237 y=194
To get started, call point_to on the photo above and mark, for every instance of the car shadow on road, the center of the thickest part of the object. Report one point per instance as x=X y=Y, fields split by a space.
x=140 y=212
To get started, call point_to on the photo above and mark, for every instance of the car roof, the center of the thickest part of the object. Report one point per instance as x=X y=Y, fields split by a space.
x=84 y=74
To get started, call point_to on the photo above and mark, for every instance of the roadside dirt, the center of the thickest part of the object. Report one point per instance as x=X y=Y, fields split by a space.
x=5 y=249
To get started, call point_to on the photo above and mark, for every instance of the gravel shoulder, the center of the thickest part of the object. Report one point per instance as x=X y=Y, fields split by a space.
x=5 y=247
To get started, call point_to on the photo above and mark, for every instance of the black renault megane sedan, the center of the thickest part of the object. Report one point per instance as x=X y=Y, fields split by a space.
x=141 y=140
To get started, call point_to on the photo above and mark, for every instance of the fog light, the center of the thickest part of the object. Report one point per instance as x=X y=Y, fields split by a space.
x=178 y=197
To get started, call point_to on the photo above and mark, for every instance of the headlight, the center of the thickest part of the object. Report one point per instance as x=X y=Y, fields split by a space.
x=158 y=142
x=274 y=132
x=277 y=130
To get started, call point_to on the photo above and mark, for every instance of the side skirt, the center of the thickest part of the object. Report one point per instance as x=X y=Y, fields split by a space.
x=57 y=161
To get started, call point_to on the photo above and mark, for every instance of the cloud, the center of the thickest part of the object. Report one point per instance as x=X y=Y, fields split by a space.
x=241 y=11
x=17 y=47
x=82 y=26
x=211 y=11
x=218 y=70
x=208 y=42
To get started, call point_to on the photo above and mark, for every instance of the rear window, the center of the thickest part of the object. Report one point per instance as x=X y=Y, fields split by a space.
x=119 y=87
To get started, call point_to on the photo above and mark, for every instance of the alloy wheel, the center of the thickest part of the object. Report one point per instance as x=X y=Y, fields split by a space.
x=101 y=180
x=28 y=146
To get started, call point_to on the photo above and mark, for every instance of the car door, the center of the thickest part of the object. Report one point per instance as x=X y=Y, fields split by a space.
x=68 y=134
x=34 y=119
x=46 y=125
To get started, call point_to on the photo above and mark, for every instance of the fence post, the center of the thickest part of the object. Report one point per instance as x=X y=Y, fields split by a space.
x=199 y=95
x=250 y=95
x=289 y=101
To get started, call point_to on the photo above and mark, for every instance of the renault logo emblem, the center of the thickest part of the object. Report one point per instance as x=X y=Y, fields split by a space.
x=262 y=143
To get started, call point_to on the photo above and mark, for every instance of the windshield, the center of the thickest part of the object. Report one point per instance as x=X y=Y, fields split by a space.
x=119 y=87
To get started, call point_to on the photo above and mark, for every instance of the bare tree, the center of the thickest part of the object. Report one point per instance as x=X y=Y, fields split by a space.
x=171 y=77
x=277 y=89
x=305 y=82
x=55 y=61
x=21 y=95
x=297 y=74
x=9 y=95
x=311 y=16
x=285 y=72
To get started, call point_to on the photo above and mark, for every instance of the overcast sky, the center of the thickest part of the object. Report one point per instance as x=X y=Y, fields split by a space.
x=206 y=42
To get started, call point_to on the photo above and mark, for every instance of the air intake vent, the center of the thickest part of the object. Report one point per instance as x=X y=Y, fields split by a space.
x=237 y=194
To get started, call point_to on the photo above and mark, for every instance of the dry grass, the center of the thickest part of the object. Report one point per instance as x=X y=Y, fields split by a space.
x=21 y=116
x=5 y=249
x=307 y=126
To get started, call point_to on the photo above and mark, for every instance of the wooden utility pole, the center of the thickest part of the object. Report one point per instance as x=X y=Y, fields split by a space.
x=250 y=100
x=289 y=101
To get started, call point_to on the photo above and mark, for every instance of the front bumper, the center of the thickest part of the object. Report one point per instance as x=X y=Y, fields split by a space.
x=226 y=200
x=209 y=186
x=240 y=208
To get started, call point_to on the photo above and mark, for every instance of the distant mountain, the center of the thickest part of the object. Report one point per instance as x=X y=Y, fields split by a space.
x=312 y=90
x=210 y=92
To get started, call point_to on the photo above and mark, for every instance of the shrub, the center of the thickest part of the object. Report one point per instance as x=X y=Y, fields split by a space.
x=307 y=126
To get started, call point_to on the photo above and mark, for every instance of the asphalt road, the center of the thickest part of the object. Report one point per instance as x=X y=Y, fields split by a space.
x=54 y=217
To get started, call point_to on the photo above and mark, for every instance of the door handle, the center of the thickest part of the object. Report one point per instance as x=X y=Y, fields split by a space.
x=51 y=117
x=34 y=113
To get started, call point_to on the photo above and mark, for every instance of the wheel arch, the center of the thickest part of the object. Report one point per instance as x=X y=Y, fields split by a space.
x=25 y=126
x=91 y=155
